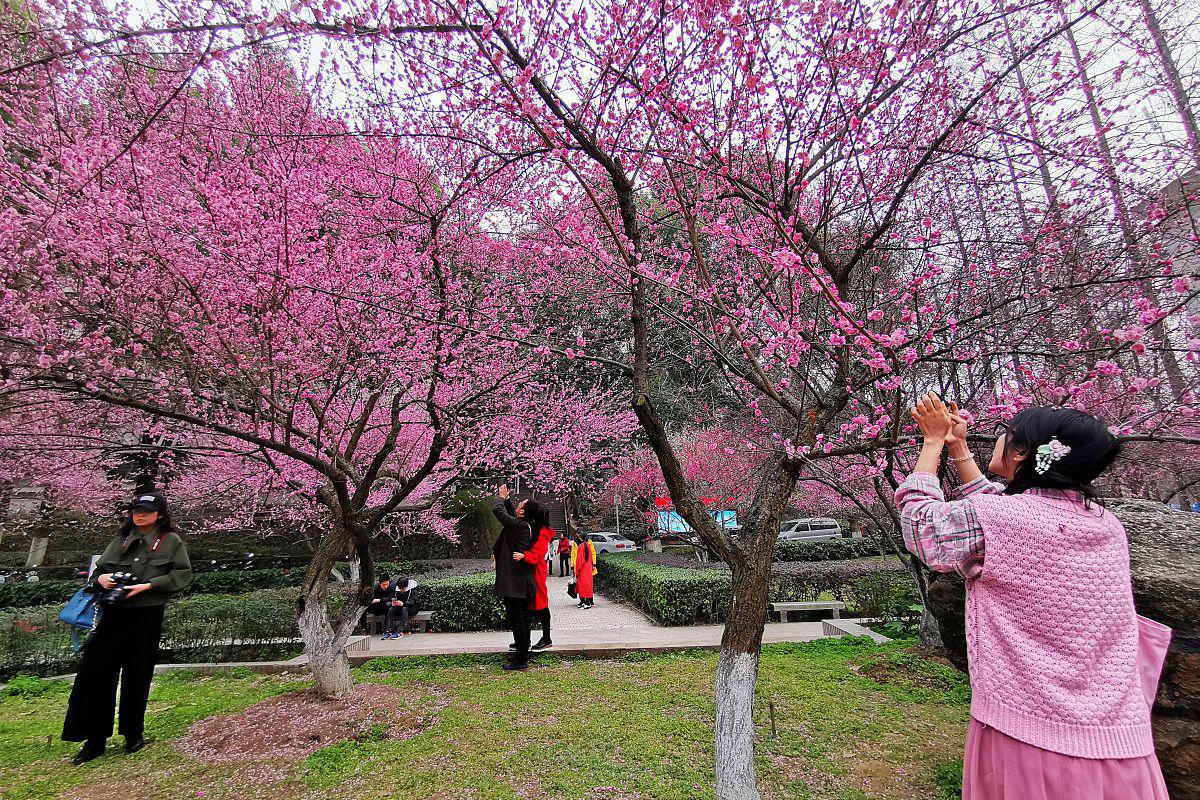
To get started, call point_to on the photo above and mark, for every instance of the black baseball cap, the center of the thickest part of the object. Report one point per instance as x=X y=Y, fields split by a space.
x=150 y=501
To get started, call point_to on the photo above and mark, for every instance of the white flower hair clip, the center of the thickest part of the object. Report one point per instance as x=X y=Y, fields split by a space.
x=1048 y=453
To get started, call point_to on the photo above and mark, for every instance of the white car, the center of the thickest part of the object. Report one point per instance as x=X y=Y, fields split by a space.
x=607 y=542
x=810 y=529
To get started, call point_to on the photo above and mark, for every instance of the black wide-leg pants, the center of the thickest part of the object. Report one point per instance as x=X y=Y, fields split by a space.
x=516 y=613
x=124 y=645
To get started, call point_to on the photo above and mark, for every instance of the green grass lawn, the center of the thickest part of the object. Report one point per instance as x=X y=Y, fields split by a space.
x=852 y=720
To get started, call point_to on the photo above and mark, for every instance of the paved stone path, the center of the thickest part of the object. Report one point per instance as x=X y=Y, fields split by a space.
x=607 y=629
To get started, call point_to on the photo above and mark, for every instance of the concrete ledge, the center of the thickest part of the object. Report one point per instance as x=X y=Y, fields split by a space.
x=846 y=627
x=357 y=643
x=600 y=650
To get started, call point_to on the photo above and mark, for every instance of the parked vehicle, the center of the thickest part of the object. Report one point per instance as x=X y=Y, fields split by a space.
x=809 y=529
x=608 y=542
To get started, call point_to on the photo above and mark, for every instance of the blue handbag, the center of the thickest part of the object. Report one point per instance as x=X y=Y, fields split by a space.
x=81 y=613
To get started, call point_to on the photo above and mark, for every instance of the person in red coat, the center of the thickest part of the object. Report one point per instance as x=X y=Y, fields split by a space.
x=564 y=556
x=539 y=607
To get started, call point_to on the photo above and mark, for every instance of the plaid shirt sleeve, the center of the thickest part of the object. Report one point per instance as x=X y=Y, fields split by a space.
x=945 y=535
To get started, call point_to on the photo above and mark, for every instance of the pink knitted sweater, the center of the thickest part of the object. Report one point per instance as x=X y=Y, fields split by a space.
x=1052 y=635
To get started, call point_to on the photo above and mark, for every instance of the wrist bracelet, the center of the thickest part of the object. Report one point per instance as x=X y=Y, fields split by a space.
x=967 y=457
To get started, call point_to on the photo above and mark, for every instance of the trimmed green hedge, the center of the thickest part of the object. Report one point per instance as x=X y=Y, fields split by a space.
x=681 y=596
x=234 y=581
x=669 y=595
x=20 y=594
x=200 y=627
x=465 y=603
x=826 y=550
x=196 y=628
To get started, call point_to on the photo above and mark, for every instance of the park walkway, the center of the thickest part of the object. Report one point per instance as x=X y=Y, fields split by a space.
x=607 y=629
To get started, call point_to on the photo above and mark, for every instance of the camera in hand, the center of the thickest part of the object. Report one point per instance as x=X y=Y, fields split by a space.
x=113 y=596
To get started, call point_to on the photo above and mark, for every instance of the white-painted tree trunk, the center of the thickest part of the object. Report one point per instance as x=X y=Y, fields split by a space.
x=737 y=674
x=326 y=650
x=930 y=634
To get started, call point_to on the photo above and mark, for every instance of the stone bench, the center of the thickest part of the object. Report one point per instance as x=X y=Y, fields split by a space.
x=374 y=622
x=784 y=609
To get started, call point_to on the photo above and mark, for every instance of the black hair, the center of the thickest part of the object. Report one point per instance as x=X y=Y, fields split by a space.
x=1093 y=449
x=165 y=523
x=401 y=582
x=383 y=576
x=537 y=515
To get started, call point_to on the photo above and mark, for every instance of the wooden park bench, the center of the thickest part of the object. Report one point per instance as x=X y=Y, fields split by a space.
x=784 y=609
x=421 y=619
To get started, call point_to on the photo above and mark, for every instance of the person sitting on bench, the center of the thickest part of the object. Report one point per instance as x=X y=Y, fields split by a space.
x=384 y=603
x=404 y=607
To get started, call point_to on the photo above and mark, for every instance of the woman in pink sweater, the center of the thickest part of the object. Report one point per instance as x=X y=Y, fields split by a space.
x=1063 y=671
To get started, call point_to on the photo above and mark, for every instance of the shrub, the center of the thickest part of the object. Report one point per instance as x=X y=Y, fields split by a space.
x=239 y=581
x=206 y=621
x=196 y=628
x=20 y=594
x=669 y=595
x=220 y=627
x=463 y=603
x=33 y=640
x=827 y=550
x=685 y=596
x=435 y=569
x=26 y=594
x=676 y=560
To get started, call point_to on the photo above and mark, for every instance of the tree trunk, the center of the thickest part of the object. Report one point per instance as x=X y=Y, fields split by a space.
x=1175 y=83
x=325 y=636
x=737 y=676
x=326 y=650
x=929 y=633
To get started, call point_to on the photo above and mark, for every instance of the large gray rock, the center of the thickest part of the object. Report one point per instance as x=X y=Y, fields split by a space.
x=1164 y=547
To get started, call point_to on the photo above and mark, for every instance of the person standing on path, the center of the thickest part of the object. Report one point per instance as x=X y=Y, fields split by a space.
x=1063 y=670
x=564 y=556
x=585 y=569
x=124 y=644
x=514 y=577
x=539 y=609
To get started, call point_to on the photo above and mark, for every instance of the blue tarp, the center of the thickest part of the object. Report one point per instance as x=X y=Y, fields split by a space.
x=671 y=522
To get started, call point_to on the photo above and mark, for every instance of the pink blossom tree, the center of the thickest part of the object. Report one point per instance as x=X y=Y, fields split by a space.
x=811 y=196
x=813 y=211
x=215 y=262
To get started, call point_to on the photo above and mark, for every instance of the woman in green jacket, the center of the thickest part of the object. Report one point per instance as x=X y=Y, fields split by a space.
x=150 y=559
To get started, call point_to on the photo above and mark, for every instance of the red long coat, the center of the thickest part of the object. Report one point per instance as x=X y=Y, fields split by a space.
x=585 y=566
x=536 y=555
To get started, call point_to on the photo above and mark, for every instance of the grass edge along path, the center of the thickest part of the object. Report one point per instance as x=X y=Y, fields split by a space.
x=853 y=720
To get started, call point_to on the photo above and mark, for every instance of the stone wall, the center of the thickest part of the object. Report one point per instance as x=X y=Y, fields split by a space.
x=1164 y=548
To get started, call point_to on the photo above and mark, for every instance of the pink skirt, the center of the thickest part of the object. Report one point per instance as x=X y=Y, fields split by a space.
x=999 y=767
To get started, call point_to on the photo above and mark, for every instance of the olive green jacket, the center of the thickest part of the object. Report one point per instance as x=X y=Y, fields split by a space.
x=168 y=569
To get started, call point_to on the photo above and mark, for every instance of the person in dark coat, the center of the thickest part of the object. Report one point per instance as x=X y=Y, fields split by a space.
x=125 y=641
x=514 y=577
x=384 y=603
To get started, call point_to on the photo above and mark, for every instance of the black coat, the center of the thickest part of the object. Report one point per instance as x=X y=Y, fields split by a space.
x=513 y=578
